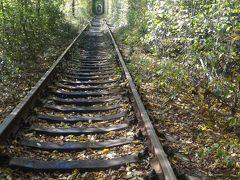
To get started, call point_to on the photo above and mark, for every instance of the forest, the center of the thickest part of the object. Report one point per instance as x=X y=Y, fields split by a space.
x=33 y=33
x=182 y=54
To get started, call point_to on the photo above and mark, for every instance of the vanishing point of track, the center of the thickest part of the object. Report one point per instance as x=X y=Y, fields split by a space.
x=84 y=114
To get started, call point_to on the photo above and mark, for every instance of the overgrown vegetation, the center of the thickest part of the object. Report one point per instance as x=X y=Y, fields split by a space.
x=32 y=34
x=29 y=28
x=184 y=56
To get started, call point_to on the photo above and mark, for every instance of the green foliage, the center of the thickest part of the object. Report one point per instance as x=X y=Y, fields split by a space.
x=232 y=121
x=201 y=38
x=224 y=152
x=30 y=27
x=185 y=60
x=82 y=13
x=26 y=25
x=129 y=13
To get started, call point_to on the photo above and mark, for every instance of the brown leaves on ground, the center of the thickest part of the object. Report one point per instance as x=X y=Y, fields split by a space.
x=193 y=135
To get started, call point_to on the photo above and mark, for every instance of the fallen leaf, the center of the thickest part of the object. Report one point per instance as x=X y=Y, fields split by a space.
x=105 y=151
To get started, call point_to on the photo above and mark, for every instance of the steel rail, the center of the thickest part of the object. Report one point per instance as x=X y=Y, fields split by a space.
x=157 y=148
x=12 y=122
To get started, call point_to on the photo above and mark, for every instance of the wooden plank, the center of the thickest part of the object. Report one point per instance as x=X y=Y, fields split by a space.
x=88 y=83
x=94 y=67
x=82 y=109
x=92 y=70
x=79 y=73
x=76 y=119
x=97 y=63
x=74 y=146
x=70 y=94
x=88 y=78
x=94 y=61
x=94 y=58
x=82 y=69
x=77 y=131
x=60 y=165
x=84 y=102
x=80 y=88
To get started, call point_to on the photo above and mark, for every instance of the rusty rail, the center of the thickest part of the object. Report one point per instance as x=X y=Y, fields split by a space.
x=156 y=146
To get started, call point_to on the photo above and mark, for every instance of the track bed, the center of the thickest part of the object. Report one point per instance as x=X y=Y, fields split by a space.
x=83 y=125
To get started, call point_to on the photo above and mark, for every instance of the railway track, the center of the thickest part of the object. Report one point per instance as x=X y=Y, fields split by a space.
x=83 y=120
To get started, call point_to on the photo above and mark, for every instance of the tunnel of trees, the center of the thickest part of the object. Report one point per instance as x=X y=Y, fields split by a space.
x=98 y=7
x=183 y=55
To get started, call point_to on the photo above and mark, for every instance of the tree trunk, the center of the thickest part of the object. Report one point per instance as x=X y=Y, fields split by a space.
x=73 y=8
x=38 y=7
x=3 y=17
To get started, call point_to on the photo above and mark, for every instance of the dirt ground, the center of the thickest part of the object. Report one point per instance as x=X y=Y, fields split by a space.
x=197 y=143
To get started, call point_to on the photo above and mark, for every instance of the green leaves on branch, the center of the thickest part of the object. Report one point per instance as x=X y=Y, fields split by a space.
x=30 y=27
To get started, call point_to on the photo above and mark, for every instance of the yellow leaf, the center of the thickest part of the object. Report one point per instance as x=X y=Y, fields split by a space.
x=83 y=139
x=105 y=151
x=136 y=142
x=61 y=114
x=75 y=172
x=203 y=128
